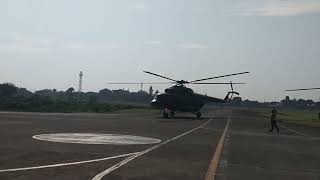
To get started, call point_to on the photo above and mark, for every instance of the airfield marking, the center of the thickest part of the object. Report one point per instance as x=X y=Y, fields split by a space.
x=134 y=156
x=96 y=138
x=211 y=172
x=292 y=130
x=66 y=164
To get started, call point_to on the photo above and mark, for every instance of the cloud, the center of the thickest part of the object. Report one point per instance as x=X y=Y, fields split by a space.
x=82 y=45
x=152 y=43
x=20 y=43
x=192 y=46
x=140 y=6
x=21 y=47
x=274 y=7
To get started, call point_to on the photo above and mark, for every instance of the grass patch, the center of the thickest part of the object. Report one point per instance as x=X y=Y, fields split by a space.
x=307 y=117
x=297 y=116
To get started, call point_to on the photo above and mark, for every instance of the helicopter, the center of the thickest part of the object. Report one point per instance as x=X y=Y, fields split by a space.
x=306 y=89
x=184 y=99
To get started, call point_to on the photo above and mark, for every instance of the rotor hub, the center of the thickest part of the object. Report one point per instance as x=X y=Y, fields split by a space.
x=182 y=82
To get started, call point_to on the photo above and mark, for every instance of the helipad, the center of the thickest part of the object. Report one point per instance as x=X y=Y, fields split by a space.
x=95 y=138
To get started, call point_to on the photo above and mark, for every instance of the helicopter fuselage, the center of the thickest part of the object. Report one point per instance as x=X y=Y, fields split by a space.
x=182 y=99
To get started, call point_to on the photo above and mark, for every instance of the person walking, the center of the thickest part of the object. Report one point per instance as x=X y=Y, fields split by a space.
x=274 y=114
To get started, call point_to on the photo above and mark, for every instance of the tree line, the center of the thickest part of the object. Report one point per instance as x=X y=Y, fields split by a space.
x=13 y=98
x=286 y=102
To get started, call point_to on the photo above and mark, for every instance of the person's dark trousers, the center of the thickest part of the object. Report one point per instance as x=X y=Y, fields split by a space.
x=274 y=125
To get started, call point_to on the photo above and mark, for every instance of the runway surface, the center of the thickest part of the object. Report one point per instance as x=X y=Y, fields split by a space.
x=225 y=144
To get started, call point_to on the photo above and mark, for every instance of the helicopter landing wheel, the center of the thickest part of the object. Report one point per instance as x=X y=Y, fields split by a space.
x=172 y=113
x=198 y=115
x=165 y=114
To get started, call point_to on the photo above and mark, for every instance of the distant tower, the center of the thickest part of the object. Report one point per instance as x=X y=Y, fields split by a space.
x=80 y=81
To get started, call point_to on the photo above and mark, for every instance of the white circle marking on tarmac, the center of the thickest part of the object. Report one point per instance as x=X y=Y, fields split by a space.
x=95 y=138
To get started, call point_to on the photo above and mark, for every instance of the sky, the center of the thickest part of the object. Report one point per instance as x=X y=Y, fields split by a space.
x=44 y=44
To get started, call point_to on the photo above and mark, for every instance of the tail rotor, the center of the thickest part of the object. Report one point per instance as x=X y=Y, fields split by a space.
x=231 y=90
x=230 y=93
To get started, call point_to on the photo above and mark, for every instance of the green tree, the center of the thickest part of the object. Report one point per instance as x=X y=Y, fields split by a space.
x=8 y=89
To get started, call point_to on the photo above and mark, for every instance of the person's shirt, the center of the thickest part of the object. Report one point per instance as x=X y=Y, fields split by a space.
x=274 y=114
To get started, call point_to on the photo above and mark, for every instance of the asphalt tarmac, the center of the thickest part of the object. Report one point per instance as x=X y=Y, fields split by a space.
x=189 y=147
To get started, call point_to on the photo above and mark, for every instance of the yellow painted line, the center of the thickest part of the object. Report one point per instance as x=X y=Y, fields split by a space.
x=213 y=166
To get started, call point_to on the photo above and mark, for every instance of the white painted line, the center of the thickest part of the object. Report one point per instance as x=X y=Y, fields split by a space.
x=130 y=158
x=292 y=130
x=66 y=164
x=213 y=129
x=96 y=138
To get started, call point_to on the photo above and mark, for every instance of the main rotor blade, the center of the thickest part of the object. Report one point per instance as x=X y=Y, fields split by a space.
x=160 y=76
x=219 y=77
x=145 y=83
x=217 y=83
x=306 y=89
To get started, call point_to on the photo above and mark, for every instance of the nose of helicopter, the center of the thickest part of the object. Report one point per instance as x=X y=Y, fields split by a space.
x=154 y=102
